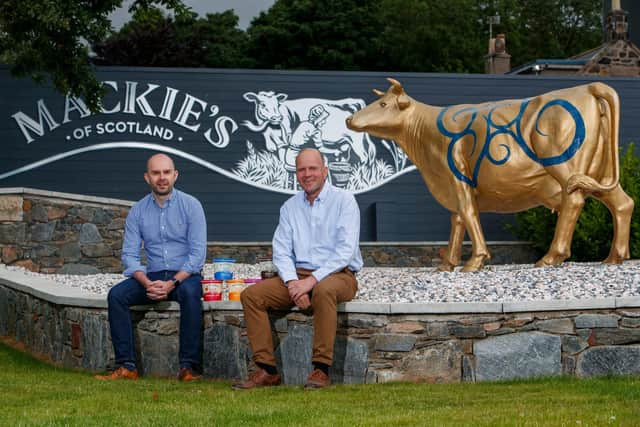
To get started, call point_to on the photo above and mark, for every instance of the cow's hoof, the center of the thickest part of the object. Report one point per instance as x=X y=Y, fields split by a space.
x=549 y=261
x=613 y=259
x=446 y=267
x=473 y=265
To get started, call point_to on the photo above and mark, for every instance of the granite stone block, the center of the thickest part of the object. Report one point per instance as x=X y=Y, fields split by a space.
x=394 y=342
x=597 y=321
x=516 y=356
x=295 y=353
x=224 y=355
x=609 y=360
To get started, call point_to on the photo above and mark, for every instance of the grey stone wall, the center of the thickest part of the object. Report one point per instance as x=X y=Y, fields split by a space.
x=53 y=234
x=369 y=348
x=71 y=234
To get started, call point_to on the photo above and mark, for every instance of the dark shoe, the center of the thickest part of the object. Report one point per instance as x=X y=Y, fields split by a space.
x=121 y=373
x=259 y=378
x=317 y=379
x=187 y=375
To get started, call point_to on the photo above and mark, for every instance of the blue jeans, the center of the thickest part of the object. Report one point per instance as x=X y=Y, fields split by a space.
x=130 y=292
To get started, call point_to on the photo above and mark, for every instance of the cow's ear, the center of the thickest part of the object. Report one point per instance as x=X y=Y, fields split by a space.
x=250 y=96
x=282 y=97
x=403 y=101
x=378 y=92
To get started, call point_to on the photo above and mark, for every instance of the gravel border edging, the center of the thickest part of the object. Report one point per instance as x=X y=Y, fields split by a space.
x=51 y=291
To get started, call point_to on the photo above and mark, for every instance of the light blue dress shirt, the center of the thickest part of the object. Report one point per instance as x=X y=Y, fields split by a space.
x=174 y=236
x=323 y=237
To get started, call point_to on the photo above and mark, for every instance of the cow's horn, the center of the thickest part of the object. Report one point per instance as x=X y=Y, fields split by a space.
x=395 y=85
x=378 y=92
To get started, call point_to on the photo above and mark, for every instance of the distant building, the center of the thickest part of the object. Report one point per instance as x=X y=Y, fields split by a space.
x=618 y=56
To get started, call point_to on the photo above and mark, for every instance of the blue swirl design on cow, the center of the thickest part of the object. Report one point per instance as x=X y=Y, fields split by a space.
x=512 y=128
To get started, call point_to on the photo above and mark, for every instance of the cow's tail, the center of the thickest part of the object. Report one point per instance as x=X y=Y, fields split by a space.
x=609 y=115
x=255 y=127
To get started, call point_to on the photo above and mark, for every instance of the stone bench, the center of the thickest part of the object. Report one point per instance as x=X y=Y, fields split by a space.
x=376 y=342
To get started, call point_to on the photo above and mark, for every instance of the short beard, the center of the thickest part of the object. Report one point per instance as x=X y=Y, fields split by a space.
x=163 y=193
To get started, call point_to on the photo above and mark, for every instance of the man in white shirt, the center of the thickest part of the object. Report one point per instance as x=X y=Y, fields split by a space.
x=316 y=252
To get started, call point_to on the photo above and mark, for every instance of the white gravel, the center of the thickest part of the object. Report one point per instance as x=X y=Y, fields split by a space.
x=496 y=283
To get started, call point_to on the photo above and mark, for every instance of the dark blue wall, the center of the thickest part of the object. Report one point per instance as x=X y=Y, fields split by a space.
x=401 y=210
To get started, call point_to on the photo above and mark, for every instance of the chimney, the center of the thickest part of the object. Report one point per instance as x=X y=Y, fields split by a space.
x=497 y=61
x=617 y=24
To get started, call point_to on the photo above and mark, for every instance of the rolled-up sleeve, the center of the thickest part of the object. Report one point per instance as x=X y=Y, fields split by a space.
x=197 y=238
x=132 y=243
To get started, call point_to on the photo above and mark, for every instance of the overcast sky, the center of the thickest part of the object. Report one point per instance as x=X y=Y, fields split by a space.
x=245 y=9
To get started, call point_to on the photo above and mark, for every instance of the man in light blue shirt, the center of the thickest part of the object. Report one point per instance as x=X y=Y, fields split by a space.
x=171 y=227
x=316 y=251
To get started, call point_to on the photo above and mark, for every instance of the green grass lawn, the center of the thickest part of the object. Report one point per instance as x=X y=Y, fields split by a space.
x=34 y=393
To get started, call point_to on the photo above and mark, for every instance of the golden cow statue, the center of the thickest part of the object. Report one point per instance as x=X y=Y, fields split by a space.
x=508 y=156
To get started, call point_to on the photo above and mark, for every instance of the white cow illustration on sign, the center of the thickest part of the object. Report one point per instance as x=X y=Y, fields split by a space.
x=291 y=125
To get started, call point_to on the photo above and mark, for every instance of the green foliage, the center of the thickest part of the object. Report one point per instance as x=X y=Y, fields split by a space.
x=44 y=39
x=154 y=39
x=48 y=38
x=594 y=229
x=418 y=35
x=630 y=182
x=140 y=42
x=537 y=29
x=307 y=34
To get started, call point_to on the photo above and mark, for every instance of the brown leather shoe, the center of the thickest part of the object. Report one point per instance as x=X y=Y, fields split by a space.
x=317 y=379
x=187 y=375
x=259 y=378
x=121 y=373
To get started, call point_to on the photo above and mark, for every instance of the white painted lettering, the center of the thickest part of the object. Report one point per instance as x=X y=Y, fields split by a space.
x=167 y=105
x=187 y=110
x=71 y=103
x=131 y=100
x=115 y=109
x=222 y=132
x=27 y=124
x=78 y=133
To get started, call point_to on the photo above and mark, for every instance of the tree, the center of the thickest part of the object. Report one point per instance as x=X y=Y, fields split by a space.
x=215 y=41
x=433 y=36
x=48 y=39
x=141 y=42
x=153 y=39
x=539 y=29
x=307 y=34
x=418 y=35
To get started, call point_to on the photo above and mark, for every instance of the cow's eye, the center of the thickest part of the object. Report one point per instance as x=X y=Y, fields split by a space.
x=383 y=104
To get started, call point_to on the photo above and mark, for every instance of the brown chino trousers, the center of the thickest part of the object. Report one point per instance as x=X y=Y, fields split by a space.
x=271 y=294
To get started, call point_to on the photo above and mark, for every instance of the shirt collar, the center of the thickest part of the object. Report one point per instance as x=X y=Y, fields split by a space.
x=324 y=194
